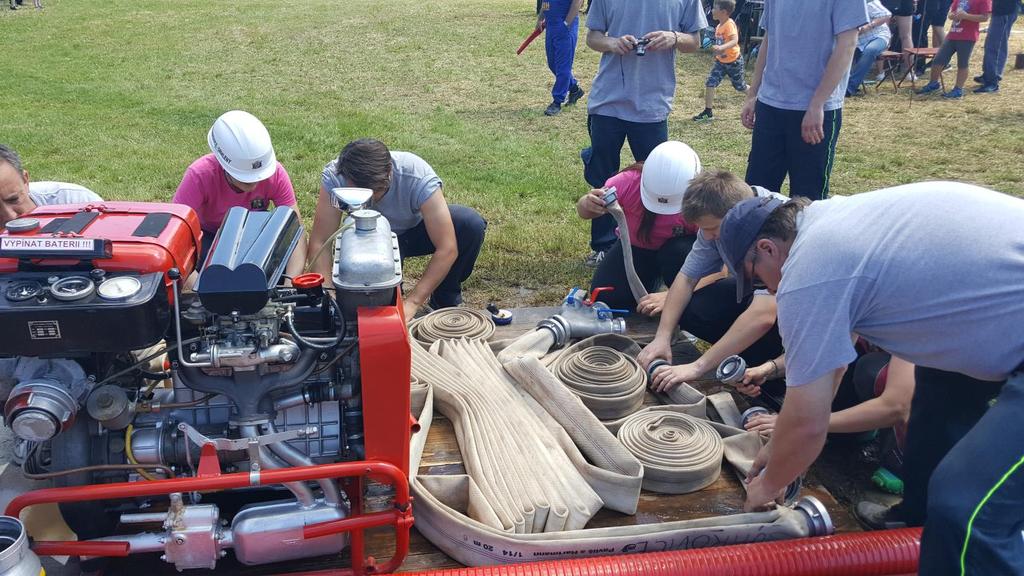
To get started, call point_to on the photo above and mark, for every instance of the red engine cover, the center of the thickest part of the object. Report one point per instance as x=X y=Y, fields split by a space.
x=144 y=236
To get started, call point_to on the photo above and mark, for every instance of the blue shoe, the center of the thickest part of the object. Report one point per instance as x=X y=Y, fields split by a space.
x=987 y=89
x=954 y=94
x=929 y=88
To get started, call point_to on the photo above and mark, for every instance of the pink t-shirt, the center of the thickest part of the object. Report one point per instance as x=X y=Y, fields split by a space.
x=206 y=190
x=627 y=186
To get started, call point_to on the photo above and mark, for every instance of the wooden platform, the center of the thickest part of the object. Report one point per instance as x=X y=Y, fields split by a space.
x=725 y=496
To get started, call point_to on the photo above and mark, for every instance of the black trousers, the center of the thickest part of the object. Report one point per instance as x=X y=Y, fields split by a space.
x=652 y=266
x=713 y=310
x=778 y=148
x=601 y=160
x=470 y=228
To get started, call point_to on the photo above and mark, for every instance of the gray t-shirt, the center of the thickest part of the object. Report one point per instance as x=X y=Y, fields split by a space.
x=801 y=36
x=413 y=181
x=639 y=88
x=706 y=256
x=55 y=193
x=931 y=272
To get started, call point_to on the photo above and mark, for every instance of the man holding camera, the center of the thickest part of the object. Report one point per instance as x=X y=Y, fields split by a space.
x=631 y=96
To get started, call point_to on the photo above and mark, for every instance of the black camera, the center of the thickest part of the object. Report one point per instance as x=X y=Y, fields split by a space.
x=641 y=46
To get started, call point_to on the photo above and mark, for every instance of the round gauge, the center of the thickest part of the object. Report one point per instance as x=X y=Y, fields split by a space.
x=23 y=290
x=120 y=288
x=72 y=288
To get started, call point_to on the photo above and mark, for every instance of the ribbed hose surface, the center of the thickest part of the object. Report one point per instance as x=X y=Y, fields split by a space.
x=679 y=453
x=860 y=554
x=635 y=285
x=610 y=383
x=451 y=323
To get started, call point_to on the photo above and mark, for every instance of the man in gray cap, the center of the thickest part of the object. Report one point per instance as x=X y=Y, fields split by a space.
x=932 y=273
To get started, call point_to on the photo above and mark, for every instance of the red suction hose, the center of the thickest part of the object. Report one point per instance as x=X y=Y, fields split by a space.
x=879 y=553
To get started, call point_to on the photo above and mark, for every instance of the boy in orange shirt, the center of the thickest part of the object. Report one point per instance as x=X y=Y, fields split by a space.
x=728 y=58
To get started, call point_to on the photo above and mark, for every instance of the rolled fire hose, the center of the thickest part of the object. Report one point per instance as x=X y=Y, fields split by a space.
x=616 y=474
x=635 y=285
x=611 y=384
x=680 y=453
x=451 y=323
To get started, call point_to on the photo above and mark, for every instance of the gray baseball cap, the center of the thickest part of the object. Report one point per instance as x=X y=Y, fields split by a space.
x=740 y=228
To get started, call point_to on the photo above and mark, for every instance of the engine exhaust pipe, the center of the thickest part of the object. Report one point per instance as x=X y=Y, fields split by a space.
x=16 y=559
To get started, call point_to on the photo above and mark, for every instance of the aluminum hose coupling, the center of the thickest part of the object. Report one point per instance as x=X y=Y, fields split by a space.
x=16 y=558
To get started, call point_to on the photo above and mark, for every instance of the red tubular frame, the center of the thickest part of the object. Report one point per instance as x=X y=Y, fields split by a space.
x=401 y=517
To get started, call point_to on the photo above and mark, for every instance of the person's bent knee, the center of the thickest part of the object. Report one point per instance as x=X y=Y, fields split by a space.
x=469 y=224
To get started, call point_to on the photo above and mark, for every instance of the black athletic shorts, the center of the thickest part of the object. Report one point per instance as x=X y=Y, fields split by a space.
x=933 y=12
x=899 y=7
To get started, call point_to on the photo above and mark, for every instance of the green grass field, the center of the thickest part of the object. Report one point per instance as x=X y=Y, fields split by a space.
x=118 y=96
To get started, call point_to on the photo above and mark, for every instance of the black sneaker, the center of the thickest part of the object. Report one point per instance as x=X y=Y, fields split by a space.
x=553 y=109
x=979 y=80
x=878 y=517
x=574 y=96
x=704 y=116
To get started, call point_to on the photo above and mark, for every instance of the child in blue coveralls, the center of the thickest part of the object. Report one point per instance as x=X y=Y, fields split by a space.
x=561 y=19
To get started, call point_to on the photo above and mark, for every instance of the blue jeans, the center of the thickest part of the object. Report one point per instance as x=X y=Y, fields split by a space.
x=863 y=61
x=560 y=46
x=601 y=161
x=996 y=48
x=469 y=236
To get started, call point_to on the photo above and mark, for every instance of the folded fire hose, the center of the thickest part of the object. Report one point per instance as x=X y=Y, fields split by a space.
x=537 y=459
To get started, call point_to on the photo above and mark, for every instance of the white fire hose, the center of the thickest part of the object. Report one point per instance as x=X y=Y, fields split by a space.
x=537 y=459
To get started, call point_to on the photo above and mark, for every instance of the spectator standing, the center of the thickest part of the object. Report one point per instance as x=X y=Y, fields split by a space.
x=903 y=16
x=1004 y=14
x=967 y=16
x=795 y=101
x=873 y=39
x=631 y=96
x=933 y=16
x=728 y=57
x=560 y=19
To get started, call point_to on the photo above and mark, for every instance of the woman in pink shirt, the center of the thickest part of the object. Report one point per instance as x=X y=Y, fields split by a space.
x=241 y=170
x=651 y=196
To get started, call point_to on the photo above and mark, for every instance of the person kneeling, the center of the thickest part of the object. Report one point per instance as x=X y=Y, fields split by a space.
x=650 y=194
x=407 y=192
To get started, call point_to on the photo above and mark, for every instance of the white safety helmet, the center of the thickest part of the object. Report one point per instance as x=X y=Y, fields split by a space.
x=666 y=174
x=242 y=146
